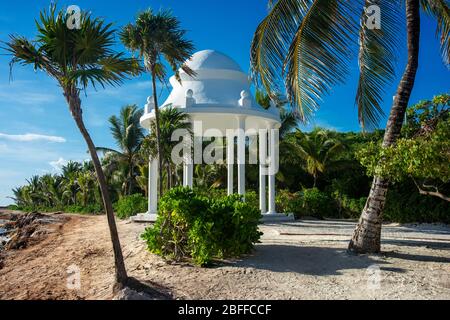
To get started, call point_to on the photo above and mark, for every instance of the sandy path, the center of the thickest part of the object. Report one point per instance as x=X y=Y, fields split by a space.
x=302 y=260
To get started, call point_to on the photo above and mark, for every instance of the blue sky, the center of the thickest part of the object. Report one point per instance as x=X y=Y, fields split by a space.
x=37 y=134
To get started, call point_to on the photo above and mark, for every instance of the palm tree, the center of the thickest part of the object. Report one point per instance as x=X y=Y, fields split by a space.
x=70 y=185
x=75 y=59
x=317 y=149
x=171 y=119
x=310 y=43
x=128 y=134
x=158 y=36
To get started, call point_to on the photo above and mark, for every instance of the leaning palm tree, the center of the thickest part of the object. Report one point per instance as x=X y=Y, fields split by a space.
x=77 y=58
x=128 y=134
x=305 y=46
x=156 y=36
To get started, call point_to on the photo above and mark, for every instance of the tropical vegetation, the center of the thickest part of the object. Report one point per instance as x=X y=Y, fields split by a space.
x=304 y=48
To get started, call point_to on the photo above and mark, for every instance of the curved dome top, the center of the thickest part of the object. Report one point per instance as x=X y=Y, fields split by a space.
x=211 y=59
x=216 y=96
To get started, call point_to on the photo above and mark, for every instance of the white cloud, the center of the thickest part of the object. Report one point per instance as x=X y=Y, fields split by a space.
x=58 y=164
x=31 y=137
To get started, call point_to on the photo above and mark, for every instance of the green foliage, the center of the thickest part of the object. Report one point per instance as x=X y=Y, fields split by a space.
x=423 y=154
x=405 y=205
x=128 y=135
x=129 y=206
x=307 y=203
x=202 y=228
x=349 y=207
x=252 y=199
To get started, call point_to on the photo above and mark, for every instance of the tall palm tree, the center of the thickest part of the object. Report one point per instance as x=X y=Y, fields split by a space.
x=309 y=43
x=75 y=59
x=128 y=134
x=157 y=36
x=171 y=119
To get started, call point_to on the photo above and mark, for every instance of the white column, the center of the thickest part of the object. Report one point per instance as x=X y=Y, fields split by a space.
x=272 y=142
x=153 y=187
x=241 y=155
x=188 y=168
x=190 y=174
x=230 y=162
x=262 y=170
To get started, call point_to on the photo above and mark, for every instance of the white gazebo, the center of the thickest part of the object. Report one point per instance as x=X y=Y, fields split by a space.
x=219 y=103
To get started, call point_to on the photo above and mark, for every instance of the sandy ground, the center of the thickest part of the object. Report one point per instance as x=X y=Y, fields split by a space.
x=301 y=260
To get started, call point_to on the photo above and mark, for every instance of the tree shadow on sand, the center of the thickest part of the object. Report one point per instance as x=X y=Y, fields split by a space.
x=306 y=260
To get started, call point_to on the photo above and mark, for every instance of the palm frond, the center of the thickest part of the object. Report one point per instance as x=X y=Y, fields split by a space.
x=319 y=54
x=440 y=10
x=377 y=58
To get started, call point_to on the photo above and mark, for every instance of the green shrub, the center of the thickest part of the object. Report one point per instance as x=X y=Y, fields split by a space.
x=252 y=198
x=413 y=207
x=309 y=202
x=190 y=225
x=349 y=207
x=317 y=204
x=286 y=201
x=129 y=206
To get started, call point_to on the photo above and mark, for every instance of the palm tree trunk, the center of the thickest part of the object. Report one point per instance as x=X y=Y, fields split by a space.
x=158 y=133
x=121 y=273
x=367 y=235
x=130 y=177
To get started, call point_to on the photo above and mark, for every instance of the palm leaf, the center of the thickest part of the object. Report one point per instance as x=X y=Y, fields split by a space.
x=377 y=58
x=440 y=10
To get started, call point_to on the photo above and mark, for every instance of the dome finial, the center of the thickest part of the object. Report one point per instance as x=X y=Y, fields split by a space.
x=190 y=100
x=245 y=100
x=150 y=106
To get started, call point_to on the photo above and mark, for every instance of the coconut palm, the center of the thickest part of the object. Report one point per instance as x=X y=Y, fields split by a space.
x=309 y=43
x=128 y=134
x=171 y=120
x=157 y=36
x=70 y=185
x=77 y=58
x=22 y=196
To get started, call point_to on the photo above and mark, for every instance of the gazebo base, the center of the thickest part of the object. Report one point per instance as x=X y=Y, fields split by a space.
x=144 y=217
x=277 y=217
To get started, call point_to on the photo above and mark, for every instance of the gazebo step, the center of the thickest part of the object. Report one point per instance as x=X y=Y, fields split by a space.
x=277 y=217
x=144 y=217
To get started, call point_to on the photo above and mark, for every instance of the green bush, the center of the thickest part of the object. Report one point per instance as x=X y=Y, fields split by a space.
x=252 y=198
x=349 y=207
x=309 y=202
x=287 y=202
x=190 y=225
x=413 y=207
x=129 y=206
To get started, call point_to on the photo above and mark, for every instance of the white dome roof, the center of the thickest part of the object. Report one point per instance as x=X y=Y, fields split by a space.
x=212 y=60
x=218 y=93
